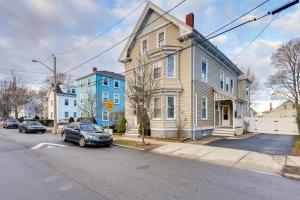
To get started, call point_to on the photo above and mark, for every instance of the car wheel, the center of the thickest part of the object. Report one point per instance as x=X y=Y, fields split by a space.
x=63 y=137
x=20 y=131
x=82 y=142
x=26 y=131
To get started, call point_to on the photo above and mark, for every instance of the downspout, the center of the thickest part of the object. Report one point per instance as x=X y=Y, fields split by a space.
x=193 y=90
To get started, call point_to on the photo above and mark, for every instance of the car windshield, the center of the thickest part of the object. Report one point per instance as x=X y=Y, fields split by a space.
x=87 y=127
x=34 y=123
x=98 y=128
x=12 y=120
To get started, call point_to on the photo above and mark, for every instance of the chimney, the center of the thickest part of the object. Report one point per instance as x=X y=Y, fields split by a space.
x=94 y=69
x=270 y=107
x=189 y=19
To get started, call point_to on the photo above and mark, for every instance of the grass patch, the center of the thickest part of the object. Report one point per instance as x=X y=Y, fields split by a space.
x=165 y=139
x=135 y=144
x=296 y=148
x=291 y=170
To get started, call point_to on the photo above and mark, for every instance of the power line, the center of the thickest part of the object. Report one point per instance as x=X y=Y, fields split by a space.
x=120 y=42
x=256 y=37
x=21 y=71
x=102 y=33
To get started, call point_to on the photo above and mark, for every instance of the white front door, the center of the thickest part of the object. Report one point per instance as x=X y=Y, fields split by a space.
x=225 y=115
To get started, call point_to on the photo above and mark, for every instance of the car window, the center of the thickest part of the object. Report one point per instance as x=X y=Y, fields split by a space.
x=87 y=127
x=97 y=128
x=71 y=125
x=34 y=124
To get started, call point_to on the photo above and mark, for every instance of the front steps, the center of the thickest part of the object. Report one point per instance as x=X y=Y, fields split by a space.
x=224 y=132
x=132 y=133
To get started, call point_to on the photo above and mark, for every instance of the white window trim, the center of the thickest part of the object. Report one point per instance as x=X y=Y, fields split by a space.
x=227 y=79
x=174 y=67
x=157 y=38
x=107 y=82
x=157 y=118
x=142 y=40
x=206 y=77
x=116 y=94
x=174 y=107
x=103 y=115
x=157 y=66
x=103 y=96
x=223 y=78
x=115 y=83
x=232 y=86
x=206 y=107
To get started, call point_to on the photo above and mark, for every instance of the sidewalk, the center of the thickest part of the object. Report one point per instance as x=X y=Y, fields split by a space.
x=248 y=160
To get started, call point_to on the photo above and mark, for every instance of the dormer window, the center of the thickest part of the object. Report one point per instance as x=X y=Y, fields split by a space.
x=144 y=46
x=161 y=39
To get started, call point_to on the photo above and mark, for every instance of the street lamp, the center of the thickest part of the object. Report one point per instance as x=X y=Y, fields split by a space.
x=54 y=88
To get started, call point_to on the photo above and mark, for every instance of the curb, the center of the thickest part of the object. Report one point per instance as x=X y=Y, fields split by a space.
x=123 y=146
x=292 y=176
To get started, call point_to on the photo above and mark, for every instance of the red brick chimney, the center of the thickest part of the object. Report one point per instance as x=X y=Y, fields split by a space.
x=270 y=107
x=94 y=69
x=189 y=19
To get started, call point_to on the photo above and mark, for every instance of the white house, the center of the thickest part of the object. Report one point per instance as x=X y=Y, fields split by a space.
x=66 y=103
x=29 y=110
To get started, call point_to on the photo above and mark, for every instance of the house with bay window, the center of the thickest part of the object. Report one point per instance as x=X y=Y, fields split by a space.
x=200 y=90
x=94 y=90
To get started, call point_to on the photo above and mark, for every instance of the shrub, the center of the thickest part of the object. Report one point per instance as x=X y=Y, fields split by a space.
x=71 y=119
x=122 y=126
x=36 y=117
x=21 y=119
x=145 y=125
x=47 y=122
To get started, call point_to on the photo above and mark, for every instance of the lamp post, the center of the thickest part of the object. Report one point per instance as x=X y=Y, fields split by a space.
x=54 y=87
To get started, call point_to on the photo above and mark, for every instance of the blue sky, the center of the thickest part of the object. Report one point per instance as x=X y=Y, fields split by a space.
x=33 y=29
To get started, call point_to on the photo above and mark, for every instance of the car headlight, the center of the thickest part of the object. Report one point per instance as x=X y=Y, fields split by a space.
x=90 y=137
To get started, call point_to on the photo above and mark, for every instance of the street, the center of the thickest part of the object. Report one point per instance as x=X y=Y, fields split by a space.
x=71 y=172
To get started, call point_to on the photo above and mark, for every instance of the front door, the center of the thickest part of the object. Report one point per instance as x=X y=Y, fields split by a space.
x=225 y=115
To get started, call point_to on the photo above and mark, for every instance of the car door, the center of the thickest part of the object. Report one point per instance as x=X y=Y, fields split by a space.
x=68 y=131
x=76 y=132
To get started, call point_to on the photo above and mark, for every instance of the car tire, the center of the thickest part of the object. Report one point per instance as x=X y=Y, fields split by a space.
x=63 y=137
x=82 y=142
x=26 y=131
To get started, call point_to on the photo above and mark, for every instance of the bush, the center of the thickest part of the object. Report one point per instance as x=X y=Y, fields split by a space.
x=36 y=118
x=21 y=119
x=145 y=125
x=47 y=122
x=71 y=119
x=122 y=126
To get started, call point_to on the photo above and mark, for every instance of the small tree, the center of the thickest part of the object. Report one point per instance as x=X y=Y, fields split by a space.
x=71 y=119
x=36 y=117
x=144 y=128
x=122 y=126
x=180 y=123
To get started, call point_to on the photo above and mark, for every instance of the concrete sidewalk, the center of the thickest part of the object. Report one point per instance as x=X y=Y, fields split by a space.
x=242 y=159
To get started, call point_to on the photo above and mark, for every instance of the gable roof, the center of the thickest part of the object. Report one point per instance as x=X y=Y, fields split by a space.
x=185 y=29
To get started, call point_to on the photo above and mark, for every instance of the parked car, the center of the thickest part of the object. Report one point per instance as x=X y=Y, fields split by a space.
x=61 y=125
x=32 y=127
x=86 y=134
x=10 y=123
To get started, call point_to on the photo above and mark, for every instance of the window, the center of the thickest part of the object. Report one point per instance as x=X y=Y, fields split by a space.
x=157 y=71
x=204 y=70
x=66 y=102
x=116 y=98
x=161 y=39
x=66 y=115
x=231 y=86
x=144 y=46
x=227 y=84
x=157 y=108
x=73 y=91
x=171 y=67
x=171 y=107
x=75 y=115
x=105 y=81
x=75 y=103
x=104 y=97
x=204 y=107
x=68 y=90
x=247 y=90
x=117 y=83
x=104 y=116
x=81 y=99
x=222 y=80
x=216 y=107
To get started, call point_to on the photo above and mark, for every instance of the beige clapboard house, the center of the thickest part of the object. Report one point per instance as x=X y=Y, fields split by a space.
x=199 y=87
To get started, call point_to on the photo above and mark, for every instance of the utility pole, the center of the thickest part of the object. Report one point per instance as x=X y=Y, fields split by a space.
x=54 y=91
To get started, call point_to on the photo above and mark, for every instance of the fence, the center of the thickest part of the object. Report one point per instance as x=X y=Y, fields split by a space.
x=287 y=126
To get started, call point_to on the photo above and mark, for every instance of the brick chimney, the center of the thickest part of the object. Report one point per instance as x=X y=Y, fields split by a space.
x=189 y=19
x=270 y=107
x=94 y=69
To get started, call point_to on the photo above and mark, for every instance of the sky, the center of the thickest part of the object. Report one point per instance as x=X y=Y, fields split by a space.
x=35 y=29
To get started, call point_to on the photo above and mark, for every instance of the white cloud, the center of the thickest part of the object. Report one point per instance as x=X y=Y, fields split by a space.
x=221 y=40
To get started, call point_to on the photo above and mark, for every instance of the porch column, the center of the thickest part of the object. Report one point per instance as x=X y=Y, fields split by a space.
x=214 y=113
x=233 y=113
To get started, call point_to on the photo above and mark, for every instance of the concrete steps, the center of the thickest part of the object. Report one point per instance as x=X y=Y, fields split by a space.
x=132 y=133
x=224 y=132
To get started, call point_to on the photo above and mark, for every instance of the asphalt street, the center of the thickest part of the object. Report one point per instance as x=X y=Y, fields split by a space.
x=263 y=143
x=115 y=173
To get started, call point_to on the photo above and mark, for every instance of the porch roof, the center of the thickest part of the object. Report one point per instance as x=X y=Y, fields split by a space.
x=220 y=95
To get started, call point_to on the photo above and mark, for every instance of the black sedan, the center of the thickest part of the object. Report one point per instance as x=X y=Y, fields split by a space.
x=86 y=134
x=10 y=123
x=32 y=127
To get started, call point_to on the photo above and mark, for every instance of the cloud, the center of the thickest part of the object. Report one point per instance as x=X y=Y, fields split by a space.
x=221 y=40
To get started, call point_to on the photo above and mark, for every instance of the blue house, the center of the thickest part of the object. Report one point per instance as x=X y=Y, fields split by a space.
x=94 y=90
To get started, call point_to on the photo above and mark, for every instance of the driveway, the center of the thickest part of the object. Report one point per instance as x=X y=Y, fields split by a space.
x=263 y=143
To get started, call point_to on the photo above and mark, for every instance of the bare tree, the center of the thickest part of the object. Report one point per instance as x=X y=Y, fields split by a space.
x=88 y=107
x=61 y=78
x=141 y=88
x=5 y=97
x=285 y=82
x=251 y=76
